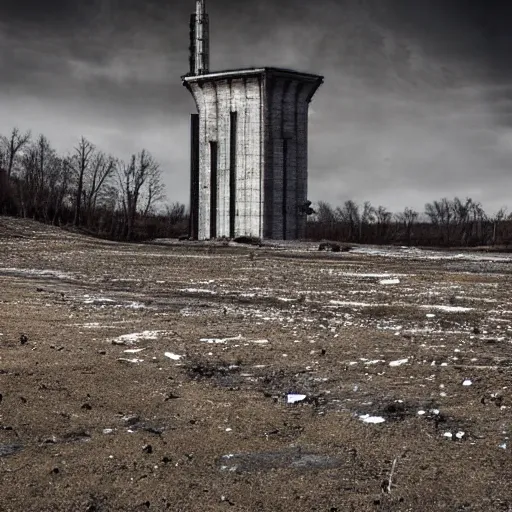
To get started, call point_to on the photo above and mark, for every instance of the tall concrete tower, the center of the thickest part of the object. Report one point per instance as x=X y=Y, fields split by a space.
x=249 y=146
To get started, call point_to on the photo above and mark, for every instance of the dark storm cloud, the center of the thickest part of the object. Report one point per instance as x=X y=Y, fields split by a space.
x=417 y=100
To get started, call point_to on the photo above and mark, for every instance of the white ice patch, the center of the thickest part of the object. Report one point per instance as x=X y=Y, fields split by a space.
x=133 y=361
x=448 y=309
x=467 y=382
x=130 y=339
x=389 y=281
x=198 y=290
x=37 y=273
x=174 y=357
x=366 y=418
x=133 y=350
x=293 y=398
x=97 y=300
x=354 y=304
x=448 y=435
x=213 y=341
x=399 y=362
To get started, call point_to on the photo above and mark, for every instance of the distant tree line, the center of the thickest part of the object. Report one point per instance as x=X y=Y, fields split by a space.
x=89 y=190
x=444 y=223
x=86 y=189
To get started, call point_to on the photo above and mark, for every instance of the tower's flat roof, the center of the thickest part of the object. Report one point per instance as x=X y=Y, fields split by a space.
x=236 y=73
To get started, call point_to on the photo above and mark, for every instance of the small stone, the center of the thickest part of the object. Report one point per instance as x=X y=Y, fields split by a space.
x=147 y=448
x=23 y=339
x=130 y=420
x=86 y=407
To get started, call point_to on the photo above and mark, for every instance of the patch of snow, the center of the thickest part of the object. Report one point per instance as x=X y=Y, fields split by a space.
x=421 y=413
x=133 y=350
x=174 y=357
x=366 y=418
x=221 y=340
x=293 y=398
x=37 y=273
x=467 y=382
x=448 y=309
x=399 y=362
x=134 y=361
x=97 y=300
x=460 y=434
x=503 y=446
x=197 y=290
x=130 y=339
x=449 y=435
x=390 y=281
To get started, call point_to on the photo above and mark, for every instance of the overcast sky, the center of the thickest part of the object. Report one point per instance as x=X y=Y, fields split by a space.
x=416 y=105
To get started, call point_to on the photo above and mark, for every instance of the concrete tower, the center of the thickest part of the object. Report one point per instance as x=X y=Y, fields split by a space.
x=249 y=146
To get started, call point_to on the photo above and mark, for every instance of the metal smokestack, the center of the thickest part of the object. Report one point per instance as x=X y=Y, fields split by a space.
x=199 y=40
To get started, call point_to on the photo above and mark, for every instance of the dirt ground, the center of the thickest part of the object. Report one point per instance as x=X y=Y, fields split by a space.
x=157 y=377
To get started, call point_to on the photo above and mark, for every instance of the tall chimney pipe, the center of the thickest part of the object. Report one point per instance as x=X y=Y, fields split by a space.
x=199 y=40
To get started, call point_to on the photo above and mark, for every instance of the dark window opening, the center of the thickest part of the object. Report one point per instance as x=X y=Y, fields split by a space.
x=285 y=186
x=232 y=174
x=213 y=189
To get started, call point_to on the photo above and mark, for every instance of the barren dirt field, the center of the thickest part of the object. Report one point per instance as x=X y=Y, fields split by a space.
x=193 y=377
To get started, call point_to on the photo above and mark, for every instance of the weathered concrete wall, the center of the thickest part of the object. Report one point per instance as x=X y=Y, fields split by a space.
x=271 y=150
x=215 y=101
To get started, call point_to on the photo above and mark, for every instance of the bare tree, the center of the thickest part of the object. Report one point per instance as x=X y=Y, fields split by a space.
x=132 y=176
x=350 y=215
x=408 y=218
x=82 y=160
x=153 y=191
x=97 y=180
x=38 y=169
x=11 y=147
x=175 y=213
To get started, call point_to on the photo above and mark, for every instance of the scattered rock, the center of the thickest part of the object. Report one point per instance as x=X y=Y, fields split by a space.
x=250 y=240
x=329 y=246
x=23 y=339
x=86 y=407
x=130 y=419
x=147 y=448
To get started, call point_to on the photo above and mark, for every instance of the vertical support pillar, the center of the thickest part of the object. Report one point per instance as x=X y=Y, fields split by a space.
x=213 y=188
x=194 y=177
x=232 y=174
